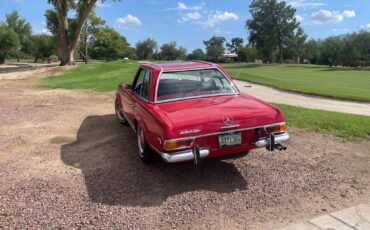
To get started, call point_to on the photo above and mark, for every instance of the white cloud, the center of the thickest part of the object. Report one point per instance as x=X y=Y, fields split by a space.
x=368 y=25
x=217 y=17
x=340 y=30
x=299 y=18
x=128 y=20
x=183 y=6
x=326 y=16
x=349 y=13
x=305 y=3
x=191 y=16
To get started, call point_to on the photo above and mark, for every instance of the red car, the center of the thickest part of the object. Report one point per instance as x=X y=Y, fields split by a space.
x=193 y=110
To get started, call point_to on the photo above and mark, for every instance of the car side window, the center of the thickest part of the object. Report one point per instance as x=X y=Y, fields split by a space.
x=142 y=83
x=139 y=81
x=145 y=84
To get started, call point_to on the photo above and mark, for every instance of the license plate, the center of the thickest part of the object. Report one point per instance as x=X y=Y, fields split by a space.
x=230 y=139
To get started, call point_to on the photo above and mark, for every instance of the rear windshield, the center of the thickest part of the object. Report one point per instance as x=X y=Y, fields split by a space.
x=194 y=83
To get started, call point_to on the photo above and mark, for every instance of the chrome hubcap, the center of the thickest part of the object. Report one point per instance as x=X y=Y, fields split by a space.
x=140 y=142
x=119 y=113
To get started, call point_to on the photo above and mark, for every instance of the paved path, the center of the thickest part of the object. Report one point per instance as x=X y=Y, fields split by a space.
x=357 y=217
x=312 y=102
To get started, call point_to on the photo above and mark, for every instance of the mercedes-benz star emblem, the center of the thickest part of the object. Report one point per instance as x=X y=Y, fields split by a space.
x=228 y=120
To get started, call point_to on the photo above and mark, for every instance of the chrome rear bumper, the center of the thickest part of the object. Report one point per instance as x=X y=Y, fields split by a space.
x=189 y=155
x=278 y=139
x=184 y=155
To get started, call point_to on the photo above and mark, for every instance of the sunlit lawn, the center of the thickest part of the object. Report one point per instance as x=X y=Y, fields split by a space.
x=345 y=83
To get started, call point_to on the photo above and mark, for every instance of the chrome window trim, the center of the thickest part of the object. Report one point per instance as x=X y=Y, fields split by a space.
x=229 y=131
x=193 y=97
x=185 y=98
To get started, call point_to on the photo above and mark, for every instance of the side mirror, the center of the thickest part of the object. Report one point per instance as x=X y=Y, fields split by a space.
x=123 y=86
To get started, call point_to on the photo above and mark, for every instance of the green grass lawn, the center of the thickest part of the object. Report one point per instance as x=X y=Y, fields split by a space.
x=102 y=77
x=347 y=126
x=345 y=83
x=106 y=75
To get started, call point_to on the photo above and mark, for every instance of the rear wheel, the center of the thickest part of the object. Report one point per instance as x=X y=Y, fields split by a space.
x=119 y=112
x=145 y=153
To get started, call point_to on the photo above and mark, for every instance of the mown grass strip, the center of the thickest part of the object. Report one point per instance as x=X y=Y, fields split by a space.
x=341 y=83
x=102 y=77
x=347 y=126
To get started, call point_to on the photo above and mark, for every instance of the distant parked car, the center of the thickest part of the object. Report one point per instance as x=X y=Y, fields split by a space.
x=192 y=111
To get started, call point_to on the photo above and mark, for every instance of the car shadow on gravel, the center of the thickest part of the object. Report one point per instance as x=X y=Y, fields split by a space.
x=106 y=153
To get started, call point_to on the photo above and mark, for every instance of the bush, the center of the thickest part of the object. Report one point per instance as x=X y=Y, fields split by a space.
x=53 y=58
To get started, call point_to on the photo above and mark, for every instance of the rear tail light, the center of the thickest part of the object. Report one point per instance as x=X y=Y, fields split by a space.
x=179 y=144
x=277 y=129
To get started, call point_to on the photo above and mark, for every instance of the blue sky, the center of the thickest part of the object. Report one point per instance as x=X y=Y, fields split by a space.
x=189 y=22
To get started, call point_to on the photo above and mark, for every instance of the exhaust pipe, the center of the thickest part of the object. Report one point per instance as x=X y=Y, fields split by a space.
x=280 y=147
x=196 y=154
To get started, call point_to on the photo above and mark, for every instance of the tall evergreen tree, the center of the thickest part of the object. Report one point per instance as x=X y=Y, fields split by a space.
x=272 y=26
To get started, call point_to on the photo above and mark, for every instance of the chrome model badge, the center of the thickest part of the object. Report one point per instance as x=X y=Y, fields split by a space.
x=228 y=120
x=190 y=131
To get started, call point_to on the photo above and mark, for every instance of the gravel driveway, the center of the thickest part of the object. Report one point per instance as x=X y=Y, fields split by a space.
x=65 y=162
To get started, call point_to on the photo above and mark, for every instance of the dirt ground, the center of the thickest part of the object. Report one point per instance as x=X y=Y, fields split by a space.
x=65 y=162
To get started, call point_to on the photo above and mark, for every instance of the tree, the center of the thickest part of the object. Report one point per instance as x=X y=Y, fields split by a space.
x=247 y=54
x=235 y=45
x=9 y=42
x=43 y=46
x=130 y=53
x=146 y=49
x=330 y=50
x=295 y=45
x=272 y=25
x=169 y=51
x=14 y=36
x=108 y=43
x=361 y=42
x=182 y=51
x=311 y=51
x=197 y=54
x=215 y=48
x=68 y=31
x=89 y=29
x=21 y=27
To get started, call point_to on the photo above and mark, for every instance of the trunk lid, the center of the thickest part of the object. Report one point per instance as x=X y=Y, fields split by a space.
x=209 y=114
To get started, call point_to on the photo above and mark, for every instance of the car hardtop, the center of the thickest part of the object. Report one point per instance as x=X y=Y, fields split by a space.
x=179 y=66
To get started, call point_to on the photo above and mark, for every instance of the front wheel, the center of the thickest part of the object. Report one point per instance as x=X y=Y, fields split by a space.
x=145 y=153
x=119 y=112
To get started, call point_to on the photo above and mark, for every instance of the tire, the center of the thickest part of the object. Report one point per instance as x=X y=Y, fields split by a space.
x=119 y=113
x=145 y=153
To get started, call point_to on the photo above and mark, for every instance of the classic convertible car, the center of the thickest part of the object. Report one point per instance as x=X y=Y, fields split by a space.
x=192 y=111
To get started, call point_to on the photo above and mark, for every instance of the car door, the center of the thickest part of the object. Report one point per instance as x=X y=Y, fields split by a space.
x=135 y=93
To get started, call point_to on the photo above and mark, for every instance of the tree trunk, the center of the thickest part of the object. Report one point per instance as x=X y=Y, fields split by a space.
x=86 y=61
x=2 y=60
x=281 y=59
x=66 y=47
x=86 y=58
x=81 y=54
x=68 y=57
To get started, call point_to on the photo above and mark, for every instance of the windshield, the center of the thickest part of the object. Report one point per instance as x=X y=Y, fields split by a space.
x=193 y=83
